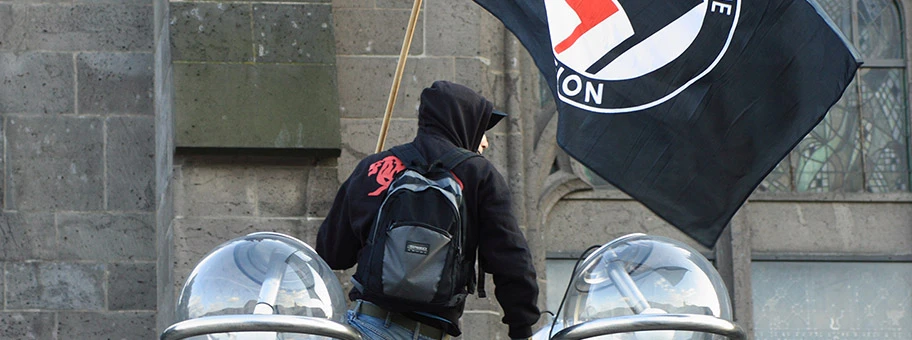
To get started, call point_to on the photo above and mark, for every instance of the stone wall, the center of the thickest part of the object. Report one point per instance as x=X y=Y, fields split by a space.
x=77 y=223
x=100 y=221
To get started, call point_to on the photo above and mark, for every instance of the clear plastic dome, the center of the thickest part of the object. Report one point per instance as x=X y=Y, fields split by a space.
x=640 y=274
x=262 y=273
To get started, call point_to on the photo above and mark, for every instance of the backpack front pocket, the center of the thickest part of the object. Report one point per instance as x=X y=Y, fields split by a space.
x=414 y=261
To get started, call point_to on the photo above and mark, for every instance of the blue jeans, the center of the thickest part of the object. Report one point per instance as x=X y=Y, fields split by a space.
x=373 y=328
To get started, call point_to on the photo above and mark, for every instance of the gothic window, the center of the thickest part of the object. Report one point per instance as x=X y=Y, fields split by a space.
x=863 y=143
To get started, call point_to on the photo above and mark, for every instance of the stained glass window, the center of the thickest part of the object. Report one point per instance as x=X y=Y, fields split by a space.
x=862 y=144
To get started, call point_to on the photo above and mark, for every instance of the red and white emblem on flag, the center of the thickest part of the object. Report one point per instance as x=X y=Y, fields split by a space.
x=582 y=31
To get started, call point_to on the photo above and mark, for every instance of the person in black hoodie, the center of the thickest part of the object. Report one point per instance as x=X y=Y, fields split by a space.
x=449 y=116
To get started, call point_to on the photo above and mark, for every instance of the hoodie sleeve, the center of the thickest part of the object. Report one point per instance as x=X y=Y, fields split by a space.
x=337 y=241
x=504 y=253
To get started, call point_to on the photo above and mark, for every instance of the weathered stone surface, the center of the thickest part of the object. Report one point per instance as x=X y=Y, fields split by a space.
x=306 y=1
x=367 y=82
x=859 y=228
x=114 y=83
x=214 y=32
x=2 y=166
x=579 y=224
x=131 y=286
x=357 y=32
x=256 y=106
x=27 y=325
x=454 y=28
x=65 y=286
x=166 y=292
x=106 y=237
x=294 y=33
x=399 y=4
x=36 y=82
x=26 y=236
x=130 y=156
x=78 y=27
x=55 y=163
x=322 y=187
x=117 y=325
x=215 y=190
x=475 y=73
x=282 y=191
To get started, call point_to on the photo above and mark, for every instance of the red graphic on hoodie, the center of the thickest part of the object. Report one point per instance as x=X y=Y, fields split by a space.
x=591 y=13
x=385 y=169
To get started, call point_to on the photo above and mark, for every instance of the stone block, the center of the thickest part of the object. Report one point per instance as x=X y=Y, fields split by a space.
x=26 y=236
x=595 y=222
x=2 y=165
x=215 y=190
x=830 y=227
x=130 y=149
x=322 y=187
x=164 y=276
x=11 y=27
x=453 y=28
x=131 y=286
x=475 y=73
x=215 y=32
x=353 y=4
x=36 y=82
x=79 y=27
x=399 y=4
x=118 y=83
x=54 y=163
x=293 y=33
x=282 y=191
x=117 y=325
x=256 y=106
x=362 y=31
x=296 y=1
x=106 y=237
x=367 y=81
x=195 y=237
x=308 y=231
x=121 y=2
x=28 y=325
x=64 y=286
x=361 y=140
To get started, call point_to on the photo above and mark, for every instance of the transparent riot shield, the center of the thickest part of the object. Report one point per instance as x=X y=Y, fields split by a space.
x=641 y=287
x=261 y=286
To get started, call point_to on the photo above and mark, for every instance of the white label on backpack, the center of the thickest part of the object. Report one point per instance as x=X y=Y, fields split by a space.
x=416 y=248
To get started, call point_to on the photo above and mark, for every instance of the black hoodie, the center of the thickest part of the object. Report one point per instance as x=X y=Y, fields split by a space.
x=449 y=116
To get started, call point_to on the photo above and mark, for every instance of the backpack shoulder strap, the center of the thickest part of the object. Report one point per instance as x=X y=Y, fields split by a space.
x=451 y=159
x=409 y=155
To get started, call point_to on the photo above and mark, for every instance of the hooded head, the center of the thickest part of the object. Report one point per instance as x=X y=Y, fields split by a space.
x=455 y=113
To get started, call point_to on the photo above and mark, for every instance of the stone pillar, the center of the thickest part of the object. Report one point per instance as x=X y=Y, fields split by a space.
x=733 y=261
x=77 y=235
x=164 y=163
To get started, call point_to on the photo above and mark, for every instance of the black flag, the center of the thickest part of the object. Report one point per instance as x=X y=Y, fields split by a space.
x=684 y=105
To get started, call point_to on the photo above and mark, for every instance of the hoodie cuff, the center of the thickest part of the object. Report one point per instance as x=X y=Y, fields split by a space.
x=520 y=332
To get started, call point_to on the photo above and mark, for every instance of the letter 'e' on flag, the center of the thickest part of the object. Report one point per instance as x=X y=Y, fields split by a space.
x=685 y=105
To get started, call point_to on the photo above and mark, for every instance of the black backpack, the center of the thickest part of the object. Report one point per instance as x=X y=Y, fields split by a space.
x=414 y=257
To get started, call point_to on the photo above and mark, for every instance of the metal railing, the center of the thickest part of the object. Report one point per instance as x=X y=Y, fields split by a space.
x=652 y=322
x=260 y=323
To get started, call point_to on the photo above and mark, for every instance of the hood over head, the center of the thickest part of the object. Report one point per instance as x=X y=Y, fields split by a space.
x=455 y=113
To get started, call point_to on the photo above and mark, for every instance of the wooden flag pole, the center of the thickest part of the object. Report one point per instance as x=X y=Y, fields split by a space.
x=397 y=78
